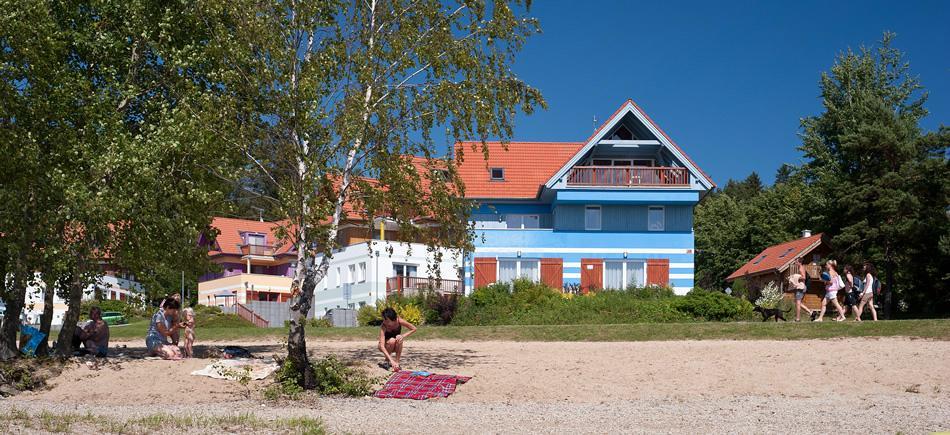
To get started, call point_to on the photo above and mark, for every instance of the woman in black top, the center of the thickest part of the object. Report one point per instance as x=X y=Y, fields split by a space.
x=391 y=336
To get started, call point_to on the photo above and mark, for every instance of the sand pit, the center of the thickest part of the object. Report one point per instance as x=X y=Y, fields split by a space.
x=870 y=385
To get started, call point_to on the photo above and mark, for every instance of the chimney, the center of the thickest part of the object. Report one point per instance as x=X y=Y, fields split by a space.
x=806 y=233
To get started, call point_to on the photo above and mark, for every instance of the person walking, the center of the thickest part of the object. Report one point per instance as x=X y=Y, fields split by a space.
x=797 y=282
x=833 y=283
x=867 y=293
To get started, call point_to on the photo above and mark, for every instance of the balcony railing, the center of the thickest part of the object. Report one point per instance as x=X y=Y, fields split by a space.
x=627 y=176
x=412 y=285
x=264 y=250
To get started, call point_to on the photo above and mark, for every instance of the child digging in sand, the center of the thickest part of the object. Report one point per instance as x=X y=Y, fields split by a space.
x=391 y=336
x=188 y=315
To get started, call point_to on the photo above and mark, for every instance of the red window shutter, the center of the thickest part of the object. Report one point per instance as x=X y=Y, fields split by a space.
x=658 y=271
x=485 y=271
x=552 y=272
x=592 y=274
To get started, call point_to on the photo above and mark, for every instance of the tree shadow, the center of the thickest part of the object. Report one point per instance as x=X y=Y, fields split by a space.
x=415 y=358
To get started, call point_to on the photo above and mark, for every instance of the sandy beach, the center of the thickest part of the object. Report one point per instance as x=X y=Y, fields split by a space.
x=841 y=385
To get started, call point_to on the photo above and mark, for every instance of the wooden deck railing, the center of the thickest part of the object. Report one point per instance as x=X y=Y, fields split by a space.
x=411 y=285
x=265 y=250
x=249 y=315
x=628 y=176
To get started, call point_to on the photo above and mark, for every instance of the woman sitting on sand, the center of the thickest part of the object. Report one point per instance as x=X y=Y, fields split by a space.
x=391 y=336
x=161 y=329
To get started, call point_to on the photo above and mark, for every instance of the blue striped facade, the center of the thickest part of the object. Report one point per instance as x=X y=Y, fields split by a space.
x=623 y=232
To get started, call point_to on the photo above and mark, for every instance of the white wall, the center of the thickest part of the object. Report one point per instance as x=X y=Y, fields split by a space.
x=379 y=266
x=35 y=293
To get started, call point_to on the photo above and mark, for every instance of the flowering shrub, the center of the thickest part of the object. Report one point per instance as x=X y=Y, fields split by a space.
x=770 y=297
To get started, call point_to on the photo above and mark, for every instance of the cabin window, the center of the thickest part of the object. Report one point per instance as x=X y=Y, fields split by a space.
x=254 y=239
x=592 y=218
x=643 y=162
x=613 y=162
x=440 y=174
x=498 y=174
x=656 y=218
x=760 y=259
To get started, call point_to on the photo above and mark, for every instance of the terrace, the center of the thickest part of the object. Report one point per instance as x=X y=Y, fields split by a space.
x=628 y=176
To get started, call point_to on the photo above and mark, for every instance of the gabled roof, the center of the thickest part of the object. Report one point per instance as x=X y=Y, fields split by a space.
x=527 y=166
x=229 y=240
x=778 y=257
x=629 y=107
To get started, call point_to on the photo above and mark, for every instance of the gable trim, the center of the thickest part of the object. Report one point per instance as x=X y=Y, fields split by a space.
x=630 y=106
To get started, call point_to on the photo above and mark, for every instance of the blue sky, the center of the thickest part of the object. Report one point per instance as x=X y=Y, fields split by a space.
x=728 y=81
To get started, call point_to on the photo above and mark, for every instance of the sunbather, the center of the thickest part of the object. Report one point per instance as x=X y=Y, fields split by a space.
x=391 y=337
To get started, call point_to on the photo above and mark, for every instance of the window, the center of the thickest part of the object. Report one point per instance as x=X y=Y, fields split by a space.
x=787 y=251
x=656 y=218
x=404 y=270
x=760 y=259
x=509 y=269
x=612 y=162
x=255 y=239
x=592 y=217
x=339 y=277
x=361 y=272
x=351 y=276
x=643 y=162
x=621 y=274
x=498 y=174
x=519 y=221
x=440 y=174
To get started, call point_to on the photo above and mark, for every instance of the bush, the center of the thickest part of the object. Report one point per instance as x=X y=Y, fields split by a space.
x=651 y=292
x=440 y=309
x=770 y=297
x=320 y=323
x=130 y=311
x=373 y=315
x=334 y=377
x=713 y=305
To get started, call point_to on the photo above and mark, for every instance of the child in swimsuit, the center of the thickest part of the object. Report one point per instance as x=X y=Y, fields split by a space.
x=391 y=336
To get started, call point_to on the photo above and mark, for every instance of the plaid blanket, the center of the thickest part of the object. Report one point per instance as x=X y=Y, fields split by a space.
x=419 y=385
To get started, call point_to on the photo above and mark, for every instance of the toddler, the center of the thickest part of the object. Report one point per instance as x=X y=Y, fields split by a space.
x=188 y=324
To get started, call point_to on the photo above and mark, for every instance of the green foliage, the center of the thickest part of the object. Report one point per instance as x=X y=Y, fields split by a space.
x=439 y=308
x=714 y=306
x=319 y=323
x=740 y=289
x=213 y=317
x=130 y=311
x=651 y=292
x=334 y=378
x=373 y=315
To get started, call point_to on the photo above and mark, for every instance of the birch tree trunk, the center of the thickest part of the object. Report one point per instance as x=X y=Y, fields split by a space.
x=65 y=339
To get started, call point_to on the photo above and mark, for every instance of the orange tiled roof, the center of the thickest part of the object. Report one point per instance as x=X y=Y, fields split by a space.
x=777 y=257
x=527 y=165
x=229 y=240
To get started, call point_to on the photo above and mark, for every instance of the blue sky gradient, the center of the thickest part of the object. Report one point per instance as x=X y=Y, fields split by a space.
x=728 y=81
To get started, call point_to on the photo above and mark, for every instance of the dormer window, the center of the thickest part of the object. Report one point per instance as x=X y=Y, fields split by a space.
x=440 y=174
x=498 y=174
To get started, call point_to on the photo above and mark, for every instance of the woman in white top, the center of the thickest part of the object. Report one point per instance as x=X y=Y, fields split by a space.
x=797 y=282
x=832 y=286
x=867 y=296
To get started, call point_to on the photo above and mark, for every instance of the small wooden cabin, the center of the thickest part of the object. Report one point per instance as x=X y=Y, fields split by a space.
x=774 y=264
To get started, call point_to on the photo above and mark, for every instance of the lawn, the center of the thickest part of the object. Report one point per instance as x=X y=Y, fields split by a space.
x=928 y=329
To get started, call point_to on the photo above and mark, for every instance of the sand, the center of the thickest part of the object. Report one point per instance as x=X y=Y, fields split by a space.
x=841 y=385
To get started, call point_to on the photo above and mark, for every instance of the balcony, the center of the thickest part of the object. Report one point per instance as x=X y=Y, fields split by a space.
x=412 y=285
x=628 y=176
x=258 y=250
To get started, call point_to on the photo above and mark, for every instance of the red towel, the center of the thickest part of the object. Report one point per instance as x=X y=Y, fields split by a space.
x=406 y=385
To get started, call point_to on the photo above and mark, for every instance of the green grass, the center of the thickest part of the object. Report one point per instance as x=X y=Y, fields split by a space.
x=17 y=420
x=929 y=329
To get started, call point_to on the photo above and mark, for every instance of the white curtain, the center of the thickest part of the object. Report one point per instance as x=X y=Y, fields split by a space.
x=529 y=269
x=636 y=273
x=507 y=270
x=613 y=275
